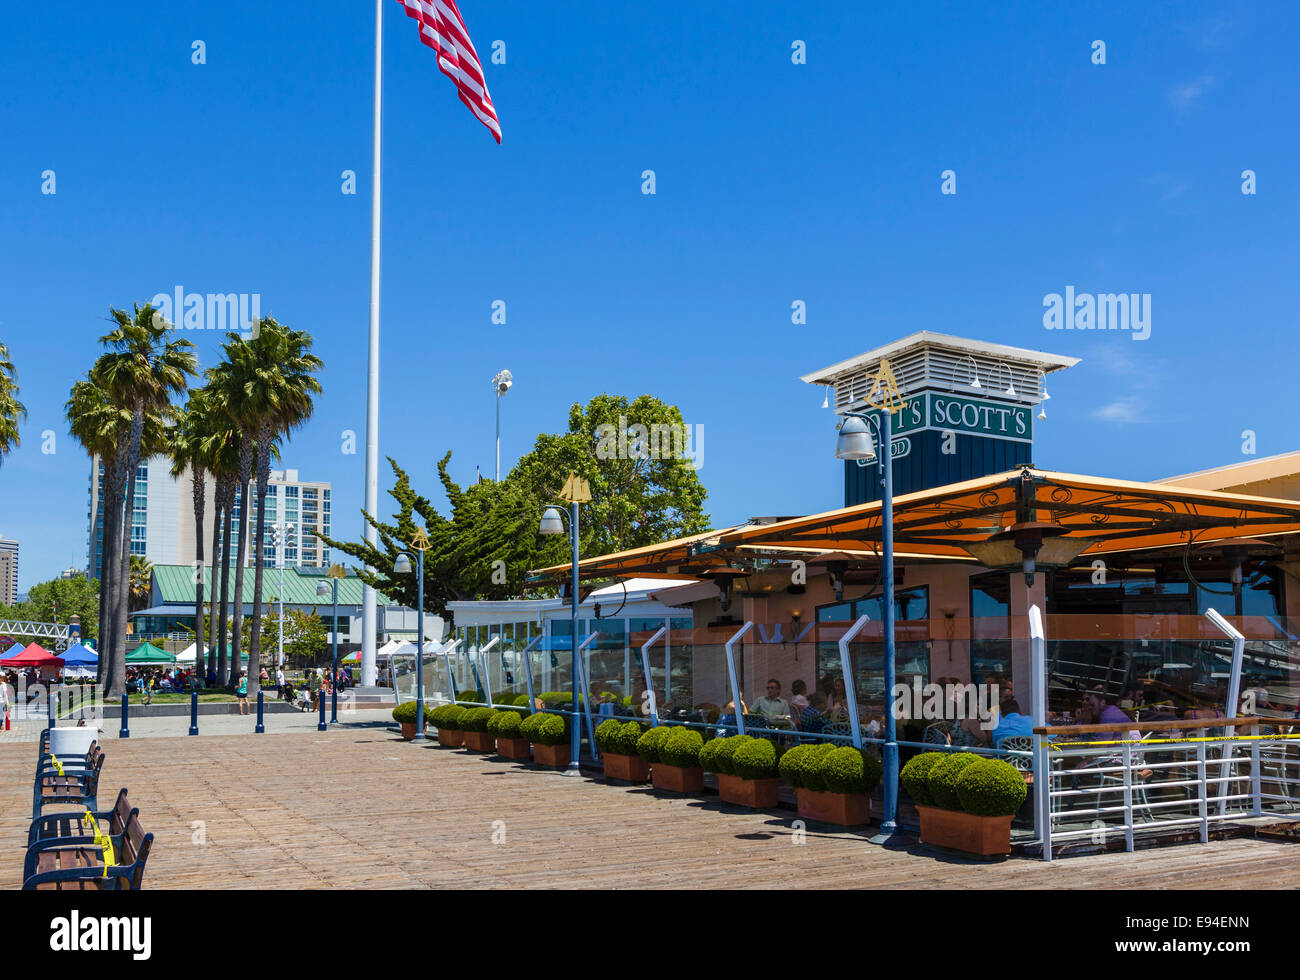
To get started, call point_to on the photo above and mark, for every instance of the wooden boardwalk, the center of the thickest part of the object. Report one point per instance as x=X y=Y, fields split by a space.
x=359 y=808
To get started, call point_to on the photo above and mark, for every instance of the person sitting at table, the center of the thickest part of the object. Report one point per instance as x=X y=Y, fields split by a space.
x=1011 y=722
x=837 y=699
x=798 y=696
x=811 y=718
x=773 y=706
x=1100 y=711
x=727 y=720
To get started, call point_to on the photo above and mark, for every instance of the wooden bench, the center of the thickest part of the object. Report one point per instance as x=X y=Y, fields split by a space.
x=79 y=866
x=77 y=786
x=67 y=825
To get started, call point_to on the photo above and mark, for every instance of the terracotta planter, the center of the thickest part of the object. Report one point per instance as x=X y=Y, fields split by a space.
x=480 y=742
x=408 y=730
x=627 y=768
x=513 y=748
x=677 y=779
x=842 y=809
x=965 y=831
x=451 y=737
x=554 y=756
x=760 y=794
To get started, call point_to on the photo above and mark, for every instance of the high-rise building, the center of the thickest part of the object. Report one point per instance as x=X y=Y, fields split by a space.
x=162 y=524
x=8 y=572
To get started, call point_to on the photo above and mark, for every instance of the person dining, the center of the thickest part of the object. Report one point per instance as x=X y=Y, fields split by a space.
x=1101 y=711
x=772 y=706
x=1011 y=722
x=812 y=719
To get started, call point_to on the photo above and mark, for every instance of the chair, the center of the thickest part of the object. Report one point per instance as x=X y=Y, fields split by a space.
x=1019 y=743
x=937 y=734
x=838 y=728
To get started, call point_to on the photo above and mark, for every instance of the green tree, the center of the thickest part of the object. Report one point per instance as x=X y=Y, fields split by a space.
x=637 y=500
x=54 y=601
x=305 y=635
x=12 y=411
x=273 y=375
x=143 y=367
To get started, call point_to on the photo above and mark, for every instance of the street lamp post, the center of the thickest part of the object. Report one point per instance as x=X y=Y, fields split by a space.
x=336 y=572
x=282 y=529
x=402 y=566
x=575 y=491
x=855 y=443
x=500 y=384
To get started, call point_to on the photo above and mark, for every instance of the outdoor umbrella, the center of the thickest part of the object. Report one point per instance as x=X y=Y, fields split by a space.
x=147 y=653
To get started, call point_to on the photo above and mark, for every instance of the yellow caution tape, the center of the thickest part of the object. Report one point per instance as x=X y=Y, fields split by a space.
x=1164 y=741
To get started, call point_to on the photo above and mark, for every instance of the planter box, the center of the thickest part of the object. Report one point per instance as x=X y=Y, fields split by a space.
x=627 y=768
x=842 y=809
x=480 y=741
x=965 y=831
x=513 y=748
x=677 y=779
x=554 y=756
x=408 y=730
x=760 y=794
x=451 y=737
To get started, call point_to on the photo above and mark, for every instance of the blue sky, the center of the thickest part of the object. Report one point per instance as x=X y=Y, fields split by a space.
x=776 y=182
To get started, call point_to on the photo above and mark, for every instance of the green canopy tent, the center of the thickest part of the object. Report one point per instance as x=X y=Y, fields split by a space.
x=147 y=653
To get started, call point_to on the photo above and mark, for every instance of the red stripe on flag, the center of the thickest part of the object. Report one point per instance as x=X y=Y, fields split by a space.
x=442 y=28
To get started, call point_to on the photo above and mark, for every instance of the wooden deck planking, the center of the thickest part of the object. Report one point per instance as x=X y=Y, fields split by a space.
x=359 y=808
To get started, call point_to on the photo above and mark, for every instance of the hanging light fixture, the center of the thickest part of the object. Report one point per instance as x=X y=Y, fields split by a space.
x=975 y=372
x=1042 y=409
x=1011 y=382
x=826 y=398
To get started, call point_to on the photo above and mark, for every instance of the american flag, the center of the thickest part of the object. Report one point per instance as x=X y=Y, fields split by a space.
x=443 y=29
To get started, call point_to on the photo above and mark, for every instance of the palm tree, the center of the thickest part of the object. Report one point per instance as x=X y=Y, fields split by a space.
x=12 y=412
x=274 y=374
x=98 y=425
x=141 y=585
x=192 y=445
x=142 y=369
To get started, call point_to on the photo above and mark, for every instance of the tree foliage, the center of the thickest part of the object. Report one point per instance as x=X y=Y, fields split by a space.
x=637 y=499
x=54 y=601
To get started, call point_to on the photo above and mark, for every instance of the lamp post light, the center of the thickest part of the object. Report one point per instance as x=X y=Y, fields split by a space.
x=336 y=572
x=575 y=491
x=501 y=383
x=855 y=442
x=282 y=530
x=402 y=566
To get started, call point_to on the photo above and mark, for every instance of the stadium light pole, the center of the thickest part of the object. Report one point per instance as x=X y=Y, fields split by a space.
x=500 y=384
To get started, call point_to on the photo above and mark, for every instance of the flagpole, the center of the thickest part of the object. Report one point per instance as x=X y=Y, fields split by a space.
x=372 y=384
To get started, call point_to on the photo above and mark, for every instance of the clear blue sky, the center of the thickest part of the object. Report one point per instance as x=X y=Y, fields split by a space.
x=776 y=182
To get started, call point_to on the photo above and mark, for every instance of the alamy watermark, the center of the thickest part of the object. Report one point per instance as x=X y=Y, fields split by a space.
x=660 y=440
x=1100 y=311
x=237 y=312
x=947 y=702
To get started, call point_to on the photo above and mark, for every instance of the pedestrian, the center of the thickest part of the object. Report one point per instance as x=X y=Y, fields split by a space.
x=279 y=682
x=6 y=699
x=146 y=685
x=265 y=678
x=241 y=692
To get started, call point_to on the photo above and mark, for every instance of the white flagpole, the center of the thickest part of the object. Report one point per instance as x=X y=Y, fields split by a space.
x=372 y=385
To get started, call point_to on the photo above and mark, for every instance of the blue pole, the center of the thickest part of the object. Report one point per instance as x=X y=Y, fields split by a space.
x=320 y=725
x=125 y=731
x=888 y=822
x=261 y=727
x=334 y=690
x=194 y=712
x=419 y=649
x=575 y=744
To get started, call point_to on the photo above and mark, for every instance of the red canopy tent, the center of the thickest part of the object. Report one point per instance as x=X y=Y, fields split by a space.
x=33 y=656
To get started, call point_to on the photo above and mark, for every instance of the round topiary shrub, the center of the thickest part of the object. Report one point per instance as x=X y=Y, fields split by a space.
x=849 y=770
x=943 y=779
x=717 y=753
x=606 y=734
x=476 y=719
x=991 y=788
x=915 y=776
x=801 y=765
x=448 y=717
x=545 y=729
x=647 y=746
x=470 y=699
x=628 y=734
x=754 y=759
x=681 y=748
x=505 y=724
x=522 y=702
x=405 y=712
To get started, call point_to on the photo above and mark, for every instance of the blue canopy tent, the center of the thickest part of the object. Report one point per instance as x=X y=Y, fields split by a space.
x=80 y=661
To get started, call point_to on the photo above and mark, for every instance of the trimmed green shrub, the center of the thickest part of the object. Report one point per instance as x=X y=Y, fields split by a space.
x=405 y=712
x=849 y=770
x=522 y=702
x=991 y=788
x=470 y=699
x=943 y=779
x=606 y=732
x=754 y=759
x=476 y=719
x=647 y=746
x=915 y=776
x=505 y=723
x=717 y=753
x=681 y=747
x=629 y=732
x=545 y=729
x=801 y=765
x=448 y=717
